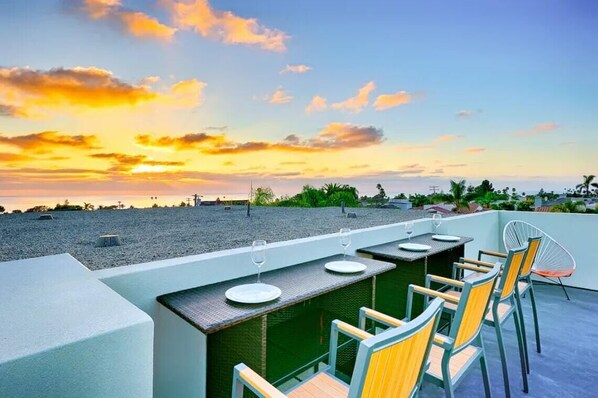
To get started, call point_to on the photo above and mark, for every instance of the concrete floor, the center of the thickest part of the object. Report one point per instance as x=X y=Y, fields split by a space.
x=568 y=364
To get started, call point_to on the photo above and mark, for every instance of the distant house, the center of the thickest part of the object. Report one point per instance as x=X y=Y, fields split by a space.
x=440 y=208
x=403 y=204
x=437 y=209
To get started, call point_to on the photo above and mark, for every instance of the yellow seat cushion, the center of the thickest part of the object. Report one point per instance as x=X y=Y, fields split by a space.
x=321 y=386
x=457 y=362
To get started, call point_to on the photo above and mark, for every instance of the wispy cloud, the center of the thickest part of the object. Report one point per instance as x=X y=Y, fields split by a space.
x=540 y=129
x=292 y=163
x=334 y=137
x=475 y=149
x=387 y=101
x=316 y=104
x=300 y=68
x=357 y=103
x=448 y=138
x=217 y=128
x=465 y=113
x=225 y=26
x=279 y=97
x=135 y=23
x=451 y=165
x=30 y=93
x=46 y=141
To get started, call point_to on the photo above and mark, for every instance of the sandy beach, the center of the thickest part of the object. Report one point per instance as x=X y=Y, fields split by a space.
x=162 y=233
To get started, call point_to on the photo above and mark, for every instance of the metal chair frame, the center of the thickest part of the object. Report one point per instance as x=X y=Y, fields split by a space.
x=369 y=345
x=547 y=252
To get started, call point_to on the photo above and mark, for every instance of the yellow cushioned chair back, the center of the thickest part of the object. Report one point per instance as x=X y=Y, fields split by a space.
x=510 y=274
x=393 y=370
x=474 y=311
x=532 y=250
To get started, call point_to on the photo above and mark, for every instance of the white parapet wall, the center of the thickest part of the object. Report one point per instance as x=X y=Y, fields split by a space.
x=578 y=233
x=65 y=334
x=142 y=283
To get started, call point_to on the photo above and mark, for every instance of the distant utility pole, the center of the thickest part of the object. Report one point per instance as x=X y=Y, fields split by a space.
x=434 y=188
x=188 y=202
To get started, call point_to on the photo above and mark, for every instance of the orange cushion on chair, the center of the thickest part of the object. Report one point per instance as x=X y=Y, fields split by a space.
x=554 y=274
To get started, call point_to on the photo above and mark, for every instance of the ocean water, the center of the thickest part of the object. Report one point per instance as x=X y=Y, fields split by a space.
x=23 y=203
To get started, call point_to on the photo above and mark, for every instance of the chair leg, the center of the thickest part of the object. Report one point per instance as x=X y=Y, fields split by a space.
x=484 y=367
x=446 y=377
x=520 y=339
x=532 y=296
x=523 y=332
x=503 y=357
x=564 y=290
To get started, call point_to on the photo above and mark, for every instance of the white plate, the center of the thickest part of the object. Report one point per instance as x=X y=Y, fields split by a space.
x=345 y=267
x=446 y=238
x=414 y=247
x=253 y=293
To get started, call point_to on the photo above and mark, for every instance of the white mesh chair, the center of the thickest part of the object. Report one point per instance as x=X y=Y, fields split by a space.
x=552 y=260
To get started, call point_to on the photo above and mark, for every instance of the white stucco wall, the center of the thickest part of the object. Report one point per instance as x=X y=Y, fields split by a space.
x=65 y=334
x=578 y=233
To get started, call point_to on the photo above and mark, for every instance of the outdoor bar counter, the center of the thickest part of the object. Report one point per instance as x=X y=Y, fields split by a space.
x=412 y=268
x=282 y=338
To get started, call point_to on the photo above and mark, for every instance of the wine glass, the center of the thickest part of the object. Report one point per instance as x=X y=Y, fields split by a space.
x=345 y=240
x=436 y=221
x=258 y=255
x=409 y=229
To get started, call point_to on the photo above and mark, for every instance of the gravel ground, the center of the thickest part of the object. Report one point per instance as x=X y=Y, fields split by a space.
x=157 y=234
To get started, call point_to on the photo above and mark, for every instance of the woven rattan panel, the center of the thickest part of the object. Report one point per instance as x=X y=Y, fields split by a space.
x=207 y=309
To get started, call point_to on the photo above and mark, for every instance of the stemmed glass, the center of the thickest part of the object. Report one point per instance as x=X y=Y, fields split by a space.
x=345 y=240
x=409 y=229
x=258 y=255
x=436 y=221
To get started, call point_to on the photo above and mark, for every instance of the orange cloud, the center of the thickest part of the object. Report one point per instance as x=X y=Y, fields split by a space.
x=335 y=136
x=188 y=141
x=448 y=138
x=13 y=157
x=225 y=26
x=475 y=149
x=301 y=68
x=316 y=104
x=45 y=141
x=33 y=93
x=124 y=162
x=136 y=23
x=357 y=103
x=279 y=97
x=386 y=101
x=543 y=128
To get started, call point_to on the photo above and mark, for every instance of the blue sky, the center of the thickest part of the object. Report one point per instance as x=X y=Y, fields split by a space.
x=520 y=74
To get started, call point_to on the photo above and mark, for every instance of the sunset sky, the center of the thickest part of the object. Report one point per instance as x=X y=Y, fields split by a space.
x=105 y=97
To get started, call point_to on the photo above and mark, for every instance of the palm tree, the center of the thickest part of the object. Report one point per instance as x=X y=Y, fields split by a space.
x=458 y=190
x=331 y=188
x=586 y=184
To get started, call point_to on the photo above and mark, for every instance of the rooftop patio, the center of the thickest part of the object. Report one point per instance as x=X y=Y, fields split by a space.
x=45 y=296
x=567 y=365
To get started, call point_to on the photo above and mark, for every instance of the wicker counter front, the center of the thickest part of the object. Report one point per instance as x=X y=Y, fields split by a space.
x=207 y=309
